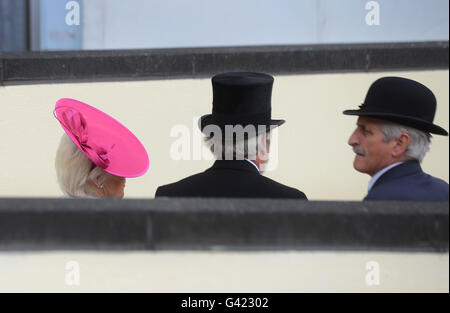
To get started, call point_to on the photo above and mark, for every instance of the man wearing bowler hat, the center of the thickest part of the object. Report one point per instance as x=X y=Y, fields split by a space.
x=238 y=134
x=392 y=137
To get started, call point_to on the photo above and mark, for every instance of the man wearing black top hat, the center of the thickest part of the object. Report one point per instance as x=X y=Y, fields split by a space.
x=238 y=132
x=392 y=137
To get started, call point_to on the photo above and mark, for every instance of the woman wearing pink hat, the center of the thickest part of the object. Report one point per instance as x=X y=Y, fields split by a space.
x=96 y=153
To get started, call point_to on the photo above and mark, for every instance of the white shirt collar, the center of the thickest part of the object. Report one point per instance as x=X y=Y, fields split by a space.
x=381 y=172
x=252 y=164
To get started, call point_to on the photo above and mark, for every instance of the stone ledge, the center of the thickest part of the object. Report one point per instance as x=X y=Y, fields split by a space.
x=108 y=65
x=222 y=224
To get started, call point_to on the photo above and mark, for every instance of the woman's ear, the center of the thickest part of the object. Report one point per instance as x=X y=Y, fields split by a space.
x=95 y=182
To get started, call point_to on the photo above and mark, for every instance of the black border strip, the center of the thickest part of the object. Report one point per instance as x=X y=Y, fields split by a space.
x=110 y=65
x=222 y=224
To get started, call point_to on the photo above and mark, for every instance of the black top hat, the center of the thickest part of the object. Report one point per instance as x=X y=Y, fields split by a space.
x=403 y=101
x=241 y=98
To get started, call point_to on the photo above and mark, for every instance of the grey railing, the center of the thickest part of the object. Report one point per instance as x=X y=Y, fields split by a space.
x=36 y=67
x=222 y=224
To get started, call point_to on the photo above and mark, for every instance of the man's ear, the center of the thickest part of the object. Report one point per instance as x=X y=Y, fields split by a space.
x=267 y=140
x=401 y=145
x=265 y=144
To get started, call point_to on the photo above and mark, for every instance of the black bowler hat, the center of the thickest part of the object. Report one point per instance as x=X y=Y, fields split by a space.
x=241 y=98
x=403 y=101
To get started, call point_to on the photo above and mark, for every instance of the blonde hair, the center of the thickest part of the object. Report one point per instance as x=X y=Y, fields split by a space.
x=74 y=169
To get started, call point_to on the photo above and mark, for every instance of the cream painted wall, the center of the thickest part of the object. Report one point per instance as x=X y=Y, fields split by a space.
x=313 y=154
x=282 y=271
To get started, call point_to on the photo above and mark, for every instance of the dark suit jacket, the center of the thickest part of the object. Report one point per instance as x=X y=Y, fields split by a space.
x=231 y=179
x=407 y=182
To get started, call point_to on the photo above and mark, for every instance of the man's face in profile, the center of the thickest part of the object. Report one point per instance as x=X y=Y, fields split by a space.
x=372 y=152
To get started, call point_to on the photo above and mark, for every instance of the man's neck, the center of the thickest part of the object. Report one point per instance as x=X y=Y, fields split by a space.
x=253 y=162
x=381 y=172
x=391 y=164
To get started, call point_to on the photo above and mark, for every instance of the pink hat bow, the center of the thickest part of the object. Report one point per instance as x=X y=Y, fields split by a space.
x=106 y=142
x=76 y=124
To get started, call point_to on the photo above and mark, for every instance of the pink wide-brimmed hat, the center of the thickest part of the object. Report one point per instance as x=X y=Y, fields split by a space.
x=105 y=141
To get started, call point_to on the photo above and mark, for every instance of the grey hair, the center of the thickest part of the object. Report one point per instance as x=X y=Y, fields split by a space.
x=419 y=143
x=237 y=149
x=74 y=169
